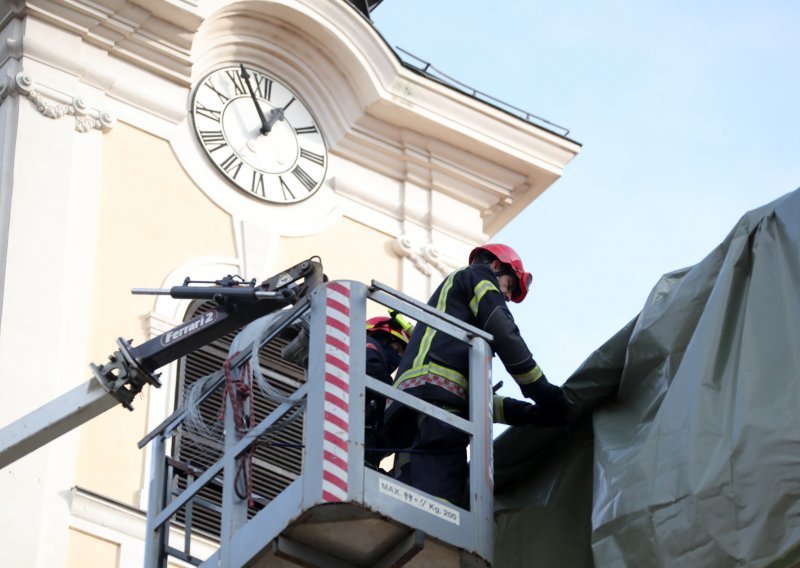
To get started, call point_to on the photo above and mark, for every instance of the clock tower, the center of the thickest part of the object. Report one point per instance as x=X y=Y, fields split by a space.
x=144 y=141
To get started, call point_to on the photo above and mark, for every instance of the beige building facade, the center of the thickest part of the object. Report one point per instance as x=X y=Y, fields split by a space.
x=109 y=181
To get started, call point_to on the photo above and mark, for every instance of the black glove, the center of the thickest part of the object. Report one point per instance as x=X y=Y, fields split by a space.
x=546 y=395
x=542 y=416
x=520 y=413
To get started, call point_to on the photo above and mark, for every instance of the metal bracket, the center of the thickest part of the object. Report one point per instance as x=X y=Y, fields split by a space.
x=123 y=377
x=294 y=551
x=403 y=552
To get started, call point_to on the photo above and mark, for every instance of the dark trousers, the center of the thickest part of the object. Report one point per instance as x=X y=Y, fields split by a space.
x=437 y=462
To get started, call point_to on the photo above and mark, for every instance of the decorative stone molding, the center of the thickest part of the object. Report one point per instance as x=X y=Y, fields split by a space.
x=86 y=118
x=426 y=258
x=121 y=524
x=152 y=35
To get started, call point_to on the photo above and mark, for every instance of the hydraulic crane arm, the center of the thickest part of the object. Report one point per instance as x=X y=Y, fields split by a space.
x=131 y=368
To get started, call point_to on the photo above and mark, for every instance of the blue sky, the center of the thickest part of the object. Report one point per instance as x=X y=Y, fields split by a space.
x=689 y=116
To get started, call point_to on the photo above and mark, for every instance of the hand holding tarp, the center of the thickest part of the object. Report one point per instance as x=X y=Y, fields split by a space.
x=546 y=395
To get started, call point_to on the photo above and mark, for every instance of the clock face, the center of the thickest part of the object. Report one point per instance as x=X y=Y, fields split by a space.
x=259 y=134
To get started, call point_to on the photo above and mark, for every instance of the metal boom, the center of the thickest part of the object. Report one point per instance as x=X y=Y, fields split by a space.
x=131 y=368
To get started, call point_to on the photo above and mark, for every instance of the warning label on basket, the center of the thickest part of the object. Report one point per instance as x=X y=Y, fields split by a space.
x=420 y=501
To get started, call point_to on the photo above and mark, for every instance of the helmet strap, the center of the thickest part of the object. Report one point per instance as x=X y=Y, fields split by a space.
x=503 y=269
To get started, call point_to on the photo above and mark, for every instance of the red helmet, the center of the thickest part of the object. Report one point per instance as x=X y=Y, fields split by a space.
x=509 y=256
x=388 y=325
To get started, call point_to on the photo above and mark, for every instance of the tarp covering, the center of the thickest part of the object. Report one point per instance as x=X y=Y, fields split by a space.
x=685 y=447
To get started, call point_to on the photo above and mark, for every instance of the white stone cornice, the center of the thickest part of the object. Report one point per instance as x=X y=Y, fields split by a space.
x=437 y=178
x=127 y=30
x=54 y=104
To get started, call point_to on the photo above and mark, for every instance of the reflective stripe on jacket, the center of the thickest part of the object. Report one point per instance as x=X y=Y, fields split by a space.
x=472 y=295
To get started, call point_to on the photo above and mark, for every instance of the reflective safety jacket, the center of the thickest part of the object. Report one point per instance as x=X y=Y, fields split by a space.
x=435 y=366
x=378 y=364
x=381 y=363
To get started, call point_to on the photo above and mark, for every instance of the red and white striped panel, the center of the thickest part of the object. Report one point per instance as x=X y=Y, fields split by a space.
x=337 y=398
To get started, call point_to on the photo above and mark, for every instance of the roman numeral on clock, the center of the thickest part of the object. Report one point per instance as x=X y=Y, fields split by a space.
x=318 y=159
x=238 y=83
x=222 y=96
x=232 y=164
x=307 y=181
x=263 y=86
x=257 y=184
x=213 y=138
x=286 y=189
x=207 y=112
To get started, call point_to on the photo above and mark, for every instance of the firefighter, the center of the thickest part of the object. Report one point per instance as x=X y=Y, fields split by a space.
x=435 y=368
x=387 y=338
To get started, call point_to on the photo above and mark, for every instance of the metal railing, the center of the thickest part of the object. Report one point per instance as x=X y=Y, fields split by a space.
x=333 y=476
x=427 y=69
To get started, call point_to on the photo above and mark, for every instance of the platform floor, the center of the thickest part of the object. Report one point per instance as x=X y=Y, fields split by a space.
x=346 y=535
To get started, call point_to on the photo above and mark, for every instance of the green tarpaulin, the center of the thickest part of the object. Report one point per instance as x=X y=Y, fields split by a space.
x=685 y=443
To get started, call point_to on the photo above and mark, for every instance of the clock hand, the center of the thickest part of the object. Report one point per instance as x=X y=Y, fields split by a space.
x=265 y=126
x=275 y=115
